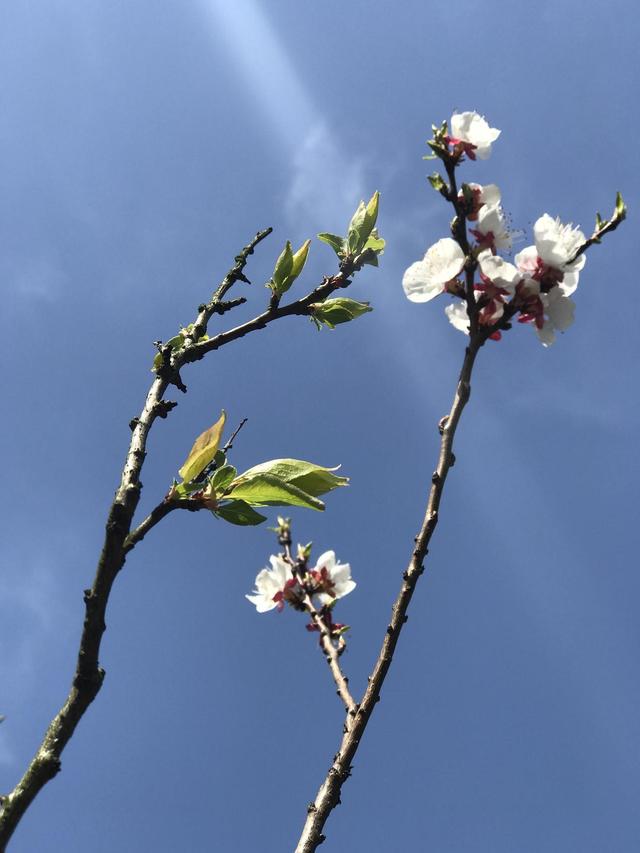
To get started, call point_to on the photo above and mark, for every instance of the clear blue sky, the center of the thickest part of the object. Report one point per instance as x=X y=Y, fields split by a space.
x=142 y=144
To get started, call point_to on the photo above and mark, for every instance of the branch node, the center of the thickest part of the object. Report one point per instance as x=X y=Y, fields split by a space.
x=163 y=407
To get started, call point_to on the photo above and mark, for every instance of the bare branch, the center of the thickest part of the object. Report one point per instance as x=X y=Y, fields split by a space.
x=329 y=794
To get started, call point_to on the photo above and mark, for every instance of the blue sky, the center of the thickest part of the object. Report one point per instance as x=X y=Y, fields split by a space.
x=142 y=145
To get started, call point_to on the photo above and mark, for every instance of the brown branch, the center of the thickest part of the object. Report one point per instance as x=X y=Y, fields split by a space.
x=355 y=724
x=332 y=656
x=89 y=675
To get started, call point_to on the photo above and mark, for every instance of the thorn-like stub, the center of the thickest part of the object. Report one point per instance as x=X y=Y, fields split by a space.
x=311 y=808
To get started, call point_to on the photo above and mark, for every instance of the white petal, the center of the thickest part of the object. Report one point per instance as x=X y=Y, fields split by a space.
x=527 y=259
x=326 y=561
x=501 y=272
x=560 y=309
x=417 y=286
x=491 y=220
x=426 y=279
x=262 y=604
x=490 y=194
x=457 y=316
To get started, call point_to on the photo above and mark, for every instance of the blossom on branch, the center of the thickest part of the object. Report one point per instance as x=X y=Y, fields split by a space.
x=474 y=196
x=491 y=230
x=332 y=579
x=471 y=135
x=274 y=586
x=427 y=278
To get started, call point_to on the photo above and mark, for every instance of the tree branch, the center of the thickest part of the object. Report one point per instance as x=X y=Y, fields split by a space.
x=118 y=541
x=332 y=655
x=355 y=724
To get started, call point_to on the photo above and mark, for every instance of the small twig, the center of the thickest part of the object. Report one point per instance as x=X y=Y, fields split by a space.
x=326 y=642
x=354 y=727
x=332 y=656
x=229 y=445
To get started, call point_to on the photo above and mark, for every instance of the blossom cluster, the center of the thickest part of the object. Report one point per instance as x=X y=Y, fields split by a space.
x=536 y=287
x=324 y=584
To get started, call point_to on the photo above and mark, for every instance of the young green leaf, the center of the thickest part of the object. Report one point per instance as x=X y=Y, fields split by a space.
x=282 y=267
x=269 y=490
x=203 y=450
x=338 y=244
x=332 y=312
x=621 y=207
x=239 y=512
x=311 y=478
x=362 y=224
x=222 y=477
x=288 y=267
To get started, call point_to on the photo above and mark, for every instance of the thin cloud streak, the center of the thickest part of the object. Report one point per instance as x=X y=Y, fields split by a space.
x=326 y=183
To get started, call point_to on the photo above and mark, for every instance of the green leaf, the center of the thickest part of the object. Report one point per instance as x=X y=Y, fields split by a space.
x=311 y=478
x=239 y=512
x=300 y=259
x=269 y=490
x=372 y=209
x=203 y=450
x=621 y=207
x=336 y=243
x=438 y=183
x=222 y=477
x=332 y=312
x=362 y=224
x=282 y=267
x=181 y=491
x=288 y=268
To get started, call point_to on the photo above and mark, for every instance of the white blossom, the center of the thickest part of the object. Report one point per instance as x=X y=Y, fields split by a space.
x=333 y=578
x=501 y=273
x=558 y=315
x=427 y=278
x=491 y=229
x=473 y=129
x=556 y=243
x=270 y=585
x=488 y=194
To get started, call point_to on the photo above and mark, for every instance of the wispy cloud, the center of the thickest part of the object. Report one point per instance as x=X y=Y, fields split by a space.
x=326 y=181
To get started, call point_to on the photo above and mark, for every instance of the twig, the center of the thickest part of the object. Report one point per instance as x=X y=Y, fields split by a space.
x=229 y=445
x=330 y=651
x=329 y=794
x=332 y=656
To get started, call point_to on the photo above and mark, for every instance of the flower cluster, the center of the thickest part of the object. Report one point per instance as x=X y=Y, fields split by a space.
x=536 y=288
x=321 y=585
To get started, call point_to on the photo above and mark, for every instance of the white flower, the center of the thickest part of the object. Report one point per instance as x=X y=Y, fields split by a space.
x=457 y=316
x=427 y=278
x=487 y=194
x=558 y=315
x=556 y=243
x=501 y=273
x=270 y=585
x=491 y=230
x=333 y=579
x=472 y=130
